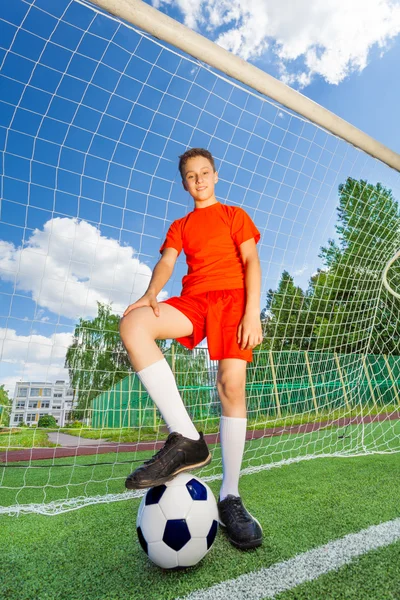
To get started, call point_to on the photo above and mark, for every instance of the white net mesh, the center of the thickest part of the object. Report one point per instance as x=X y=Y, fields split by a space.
x=93 y=115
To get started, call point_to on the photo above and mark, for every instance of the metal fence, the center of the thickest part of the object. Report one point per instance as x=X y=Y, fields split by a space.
x=278 y=384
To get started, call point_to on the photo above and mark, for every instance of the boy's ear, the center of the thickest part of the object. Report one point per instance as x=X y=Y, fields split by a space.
x=215 y=176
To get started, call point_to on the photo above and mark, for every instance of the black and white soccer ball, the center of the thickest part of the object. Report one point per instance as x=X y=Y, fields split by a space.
x=177 y=522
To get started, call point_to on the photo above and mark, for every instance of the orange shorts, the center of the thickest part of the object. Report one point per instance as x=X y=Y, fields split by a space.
x=215 y=315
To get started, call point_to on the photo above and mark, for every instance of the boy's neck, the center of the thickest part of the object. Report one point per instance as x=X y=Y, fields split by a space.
x=205 y=203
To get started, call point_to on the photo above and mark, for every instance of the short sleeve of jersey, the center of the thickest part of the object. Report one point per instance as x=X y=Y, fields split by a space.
x=243 y=228
x=173 y=238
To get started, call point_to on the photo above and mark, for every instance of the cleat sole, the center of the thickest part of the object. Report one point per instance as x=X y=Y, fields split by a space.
x=133 y=485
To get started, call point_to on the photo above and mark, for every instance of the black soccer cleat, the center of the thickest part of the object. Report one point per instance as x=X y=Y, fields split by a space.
x=177 y=455
x=243 y=530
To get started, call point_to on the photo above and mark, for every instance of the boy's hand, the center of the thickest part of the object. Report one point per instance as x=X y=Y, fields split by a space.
x=149 y=299
x=249 y=331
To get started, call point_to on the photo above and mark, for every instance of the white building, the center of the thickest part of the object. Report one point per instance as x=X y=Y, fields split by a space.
x=33 y=399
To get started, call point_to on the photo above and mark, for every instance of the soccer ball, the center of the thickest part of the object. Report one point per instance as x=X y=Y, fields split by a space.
x=177 y=522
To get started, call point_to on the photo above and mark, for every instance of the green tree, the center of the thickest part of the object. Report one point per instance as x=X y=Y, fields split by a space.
x=96 y=359
x=5 y=407
x=344 y=308
x=47 y=421
x=346 y=298
x=286 y=326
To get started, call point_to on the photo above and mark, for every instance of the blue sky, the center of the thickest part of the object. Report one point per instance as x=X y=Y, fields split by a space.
x=92 y=119
x=364 y=47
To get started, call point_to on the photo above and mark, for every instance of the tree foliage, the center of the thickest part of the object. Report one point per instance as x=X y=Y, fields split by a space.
x=344 y=309
x=5 y=407
x=47 y=421
x=96 y=359
x=286 y=326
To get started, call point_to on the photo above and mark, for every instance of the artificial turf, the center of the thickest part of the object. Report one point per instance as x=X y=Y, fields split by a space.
x=374 y=576
x=93 y=553
x=82 y=476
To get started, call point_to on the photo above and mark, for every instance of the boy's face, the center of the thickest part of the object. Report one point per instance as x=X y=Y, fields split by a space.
x=199 y=178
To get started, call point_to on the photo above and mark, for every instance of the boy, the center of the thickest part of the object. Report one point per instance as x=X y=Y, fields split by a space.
x=221 y=300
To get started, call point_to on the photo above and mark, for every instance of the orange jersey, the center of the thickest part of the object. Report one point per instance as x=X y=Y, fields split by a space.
x=210 y=238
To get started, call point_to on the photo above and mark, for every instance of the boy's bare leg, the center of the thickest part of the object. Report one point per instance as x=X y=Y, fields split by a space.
x=140 y=328
x=231 y=384
x=184 y=449
x=243 y=530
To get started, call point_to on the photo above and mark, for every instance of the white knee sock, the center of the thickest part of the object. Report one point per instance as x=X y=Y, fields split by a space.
x=233 y=437
x=160 y=383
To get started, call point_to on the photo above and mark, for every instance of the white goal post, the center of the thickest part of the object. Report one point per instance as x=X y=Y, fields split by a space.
x=165 y=28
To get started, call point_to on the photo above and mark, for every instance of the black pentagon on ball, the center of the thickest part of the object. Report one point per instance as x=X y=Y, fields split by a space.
x=211 y=534
x=142 y=541
x=197 y=490
x=154 y=494
x=176 y=534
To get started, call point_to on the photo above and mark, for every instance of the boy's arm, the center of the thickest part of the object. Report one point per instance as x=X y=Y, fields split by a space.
x=161 y=274
x=249 y=330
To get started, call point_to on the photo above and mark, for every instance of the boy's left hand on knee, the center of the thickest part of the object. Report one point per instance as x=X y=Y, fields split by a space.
x=249 y=331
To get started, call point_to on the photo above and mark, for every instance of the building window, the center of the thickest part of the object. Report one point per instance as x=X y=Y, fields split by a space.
x=57 y=395
x=18 y=418
x=70 y=392
x=32 y=404
x=22 y=392
x=45 y=404
x=56 y=407
x=47 y=392
x=30 y=417
x=20 y=404
x=35 y=392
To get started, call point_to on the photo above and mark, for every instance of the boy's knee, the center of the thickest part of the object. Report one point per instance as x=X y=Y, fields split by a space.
x=131 y=328
x=124 y=328
x=125 y=333
x=230 y=388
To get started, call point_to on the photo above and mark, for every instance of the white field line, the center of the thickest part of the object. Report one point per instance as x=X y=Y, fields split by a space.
x=267 y=583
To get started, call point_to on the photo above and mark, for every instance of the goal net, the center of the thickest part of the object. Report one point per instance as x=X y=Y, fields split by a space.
x=93 y=116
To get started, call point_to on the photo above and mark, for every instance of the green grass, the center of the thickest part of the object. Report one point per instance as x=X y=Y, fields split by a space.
x=93 y=554
x=24 y=437
x=88 y=476
x=375 y=576
x=28 y=437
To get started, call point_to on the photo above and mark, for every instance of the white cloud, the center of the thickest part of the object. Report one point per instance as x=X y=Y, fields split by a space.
x=69 y=266
x=34 y=348
x=300 y=271
x=331 y=38
x=32 y=357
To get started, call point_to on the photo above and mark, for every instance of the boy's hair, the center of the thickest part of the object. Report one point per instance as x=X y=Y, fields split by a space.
x=192 y=153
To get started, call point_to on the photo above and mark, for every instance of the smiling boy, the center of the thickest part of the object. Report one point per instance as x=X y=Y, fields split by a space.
x=220 y=300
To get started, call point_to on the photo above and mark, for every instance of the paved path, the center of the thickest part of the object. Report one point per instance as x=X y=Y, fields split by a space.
x=73 y=441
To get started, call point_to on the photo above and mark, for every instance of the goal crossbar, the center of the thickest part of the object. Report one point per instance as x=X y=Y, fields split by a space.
x=163 y=27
